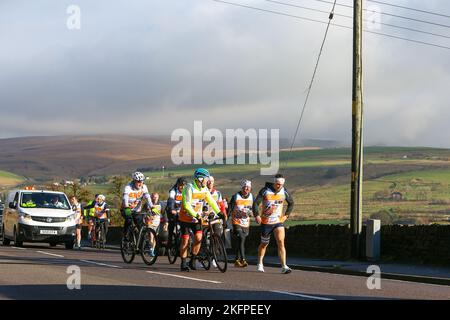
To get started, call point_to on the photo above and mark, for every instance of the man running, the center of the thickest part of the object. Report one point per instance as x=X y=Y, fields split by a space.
x=240 y=209
x=76 y=208
x=271 y=220
x=195 y=195
x=132 y=201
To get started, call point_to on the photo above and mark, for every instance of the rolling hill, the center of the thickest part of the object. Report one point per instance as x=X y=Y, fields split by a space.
x=46 y=158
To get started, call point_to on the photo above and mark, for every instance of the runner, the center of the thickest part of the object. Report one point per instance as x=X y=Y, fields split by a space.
x=76 y=208
x=240 y=209
x=272 y=197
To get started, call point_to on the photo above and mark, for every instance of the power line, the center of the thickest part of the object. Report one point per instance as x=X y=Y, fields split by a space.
x=333 y=24
x=409 y=8
x=390 y=14
x=350 y=17
x=313 y=77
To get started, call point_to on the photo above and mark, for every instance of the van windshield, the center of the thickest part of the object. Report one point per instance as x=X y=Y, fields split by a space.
x=44 y=200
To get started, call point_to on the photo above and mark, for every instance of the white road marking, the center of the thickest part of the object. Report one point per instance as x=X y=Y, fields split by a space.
x=19 y=248
x=183 y=277
x=300 y=295
x=101 y=264
x=51 y=254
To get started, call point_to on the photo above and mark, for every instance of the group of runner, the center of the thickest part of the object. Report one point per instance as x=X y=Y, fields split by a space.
x=186 y=205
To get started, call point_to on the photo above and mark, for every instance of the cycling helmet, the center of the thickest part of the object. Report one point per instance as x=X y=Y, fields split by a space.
x=201 y=173
x=246 y=183
x=101 y=198
x=181 y=180
x=138 y=176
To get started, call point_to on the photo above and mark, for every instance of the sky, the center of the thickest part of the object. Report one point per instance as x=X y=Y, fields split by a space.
x=148 y=67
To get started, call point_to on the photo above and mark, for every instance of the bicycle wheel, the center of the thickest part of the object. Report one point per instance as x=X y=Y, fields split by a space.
x=103 y=236
x=98 y=237
x=219 y=252
x=173 y=250
x=148 y=247
x=204 y=256
x=127 y=246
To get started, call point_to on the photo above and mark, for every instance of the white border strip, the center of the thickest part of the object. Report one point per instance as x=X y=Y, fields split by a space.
x=183 y=277
x=302 y=295
x=101 y=264
x=51 y=254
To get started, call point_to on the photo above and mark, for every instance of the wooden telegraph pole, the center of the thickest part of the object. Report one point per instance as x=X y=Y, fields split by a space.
x=357 y=125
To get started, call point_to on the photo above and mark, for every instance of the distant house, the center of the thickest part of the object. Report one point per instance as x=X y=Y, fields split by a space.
x=397 y=196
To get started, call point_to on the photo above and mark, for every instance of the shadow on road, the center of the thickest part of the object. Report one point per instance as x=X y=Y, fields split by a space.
x=114 y=292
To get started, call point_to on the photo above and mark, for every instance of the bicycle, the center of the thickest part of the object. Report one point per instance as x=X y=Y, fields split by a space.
x=139 y=240
x=100 y=233
x=173 y=250
x=212 y=246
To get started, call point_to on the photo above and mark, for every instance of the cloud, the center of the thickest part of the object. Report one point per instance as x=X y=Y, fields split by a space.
x=148 y=67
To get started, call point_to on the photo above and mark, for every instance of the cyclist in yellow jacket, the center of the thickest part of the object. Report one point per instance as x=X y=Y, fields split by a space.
x=194 y=196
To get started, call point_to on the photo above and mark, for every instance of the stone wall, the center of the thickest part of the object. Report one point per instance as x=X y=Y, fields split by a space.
x=416 y=244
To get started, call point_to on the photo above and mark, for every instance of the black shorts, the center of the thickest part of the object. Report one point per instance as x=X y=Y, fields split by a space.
x=267 y=230
x=239 y=230
x=186 y=227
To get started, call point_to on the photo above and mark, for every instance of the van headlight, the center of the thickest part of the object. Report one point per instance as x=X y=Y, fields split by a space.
x=26 y=217
x=70 y=218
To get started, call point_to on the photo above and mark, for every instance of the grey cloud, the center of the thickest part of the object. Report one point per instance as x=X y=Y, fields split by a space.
x=144 y=67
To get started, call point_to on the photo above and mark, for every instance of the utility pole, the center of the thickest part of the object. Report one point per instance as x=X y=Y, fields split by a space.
x=357 y=125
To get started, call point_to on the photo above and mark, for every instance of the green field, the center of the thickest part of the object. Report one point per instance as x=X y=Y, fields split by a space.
x=320 y=183
x=8 y=179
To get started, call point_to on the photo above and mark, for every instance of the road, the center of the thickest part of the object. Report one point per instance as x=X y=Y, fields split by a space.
x=40 y=272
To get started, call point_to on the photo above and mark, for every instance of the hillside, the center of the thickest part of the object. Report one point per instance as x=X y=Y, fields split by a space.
x=45 y=158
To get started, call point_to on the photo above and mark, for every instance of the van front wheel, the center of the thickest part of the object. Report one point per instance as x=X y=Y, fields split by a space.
x=17 y=243
x=5 y=241
x=69 y=245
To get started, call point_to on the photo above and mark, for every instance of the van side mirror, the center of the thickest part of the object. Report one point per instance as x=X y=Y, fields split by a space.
x=12 y=205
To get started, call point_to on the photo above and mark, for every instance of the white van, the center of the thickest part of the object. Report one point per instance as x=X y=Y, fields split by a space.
x=38 y=216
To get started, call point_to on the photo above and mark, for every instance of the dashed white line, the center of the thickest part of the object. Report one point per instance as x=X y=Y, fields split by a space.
x=51 y=254
x=101 y=264
x=183 y=277
x=301 y=295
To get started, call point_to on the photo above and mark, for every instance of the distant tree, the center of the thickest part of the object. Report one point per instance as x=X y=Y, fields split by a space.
x=387 y=216
x=117 y=185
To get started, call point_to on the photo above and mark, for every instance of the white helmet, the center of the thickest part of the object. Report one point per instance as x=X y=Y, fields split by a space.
x=101 y=198
x=138 y=176
x=246 y=183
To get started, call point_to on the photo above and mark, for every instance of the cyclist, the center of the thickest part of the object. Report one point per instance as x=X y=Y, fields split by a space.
x=174 y=204
x=240 y=209
x=76 y=208
x=273 y=196
x=217 y=196
x=102 y=212
x=156 y=217
x=194 y=196
x=132 y=201
x=89 y=215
